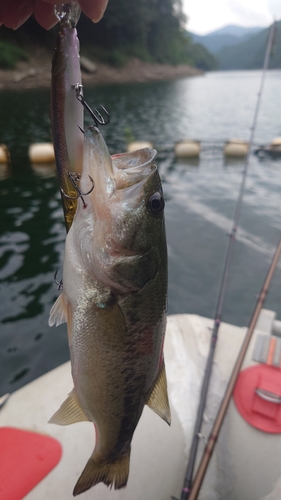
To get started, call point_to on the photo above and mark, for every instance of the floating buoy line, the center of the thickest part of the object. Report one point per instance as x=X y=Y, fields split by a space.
x=42 y=153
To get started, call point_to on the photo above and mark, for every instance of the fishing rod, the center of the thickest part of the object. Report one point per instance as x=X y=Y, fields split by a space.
x=237 y=367
x=187 y=485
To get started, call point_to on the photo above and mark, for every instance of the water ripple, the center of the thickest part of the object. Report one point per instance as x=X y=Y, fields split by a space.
x=200 y=199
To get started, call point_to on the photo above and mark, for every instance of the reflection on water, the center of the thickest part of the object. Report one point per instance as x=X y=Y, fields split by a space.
x=44 y=170
x=4 y=171
x=31 y=245
x=200 y=198
x=186 y=163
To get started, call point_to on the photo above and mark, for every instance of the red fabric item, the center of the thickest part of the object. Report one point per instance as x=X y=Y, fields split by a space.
x=25 y=459
x=257 y=396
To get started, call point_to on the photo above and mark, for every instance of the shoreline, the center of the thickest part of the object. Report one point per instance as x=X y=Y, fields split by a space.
x=36 y=73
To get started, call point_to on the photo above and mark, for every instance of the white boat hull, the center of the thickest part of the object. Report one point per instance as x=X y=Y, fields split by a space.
x=246 y=464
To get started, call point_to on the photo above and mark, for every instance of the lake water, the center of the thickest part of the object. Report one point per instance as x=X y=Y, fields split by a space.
x=200 y=200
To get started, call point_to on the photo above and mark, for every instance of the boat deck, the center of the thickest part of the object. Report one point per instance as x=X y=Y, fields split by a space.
x=159 y=453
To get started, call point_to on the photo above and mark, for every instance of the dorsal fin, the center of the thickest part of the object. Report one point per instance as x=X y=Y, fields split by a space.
x=158 y=399
x=70 y=412
x=58 y=313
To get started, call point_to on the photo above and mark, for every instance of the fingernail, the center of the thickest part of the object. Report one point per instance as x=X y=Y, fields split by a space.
x=97 y=19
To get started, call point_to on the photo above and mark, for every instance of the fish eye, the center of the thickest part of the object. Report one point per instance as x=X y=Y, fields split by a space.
x=156 y=203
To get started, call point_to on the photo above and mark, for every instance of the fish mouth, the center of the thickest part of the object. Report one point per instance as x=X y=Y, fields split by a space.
x=116 y=172
x=137 y=166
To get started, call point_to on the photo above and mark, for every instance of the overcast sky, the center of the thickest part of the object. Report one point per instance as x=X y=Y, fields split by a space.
x=208 y=15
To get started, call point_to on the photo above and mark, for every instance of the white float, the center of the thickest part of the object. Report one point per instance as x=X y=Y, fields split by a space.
x=276 y=141
x=41 y=152
x=4 y=154
x=275 y=146
x=134 y=146
x=236 y=148
x=187 y=149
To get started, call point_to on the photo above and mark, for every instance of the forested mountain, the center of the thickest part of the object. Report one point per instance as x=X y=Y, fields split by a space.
x=151 y=30
x=235 y=30
x=235 y=47
x=249 y=54
x=227 y=36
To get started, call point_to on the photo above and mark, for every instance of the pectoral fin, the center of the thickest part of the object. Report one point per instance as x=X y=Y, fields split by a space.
x=133 y=273
x=70 y=412
x=58 y=313
x=158 y=399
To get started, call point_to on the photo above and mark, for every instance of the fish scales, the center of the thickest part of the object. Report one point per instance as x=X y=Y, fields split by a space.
x=114 y=302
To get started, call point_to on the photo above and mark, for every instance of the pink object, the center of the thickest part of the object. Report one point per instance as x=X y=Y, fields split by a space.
x=257 y=396
x=25 y=459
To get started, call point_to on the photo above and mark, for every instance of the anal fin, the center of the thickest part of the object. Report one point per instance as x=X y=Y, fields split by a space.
x=69 y=412
x=158 y=398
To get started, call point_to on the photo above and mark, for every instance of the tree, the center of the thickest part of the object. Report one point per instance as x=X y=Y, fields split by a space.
x=153 y=28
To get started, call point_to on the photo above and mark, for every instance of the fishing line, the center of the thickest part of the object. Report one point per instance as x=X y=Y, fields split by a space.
x=187 y=486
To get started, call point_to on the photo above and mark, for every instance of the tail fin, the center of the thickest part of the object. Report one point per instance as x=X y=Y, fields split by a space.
x=114 y=473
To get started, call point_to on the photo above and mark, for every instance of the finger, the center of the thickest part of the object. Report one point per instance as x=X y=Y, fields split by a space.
x=14 y=13
x=55 y=2
x=44 y=14
x=94 y=9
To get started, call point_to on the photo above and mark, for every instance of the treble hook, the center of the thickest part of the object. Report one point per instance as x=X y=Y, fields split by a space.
x=58 y=283
x=73 y=178
x=98 y=118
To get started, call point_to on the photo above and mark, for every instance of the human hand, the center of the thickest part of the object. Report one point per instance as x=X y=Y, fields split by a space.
x=13 y=13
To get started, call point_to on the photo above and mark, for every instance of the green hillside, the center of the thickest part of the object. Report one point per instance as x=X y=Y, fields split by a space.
x=250 y=53
x=201 y=58
x=150 y=31
x=228 y=36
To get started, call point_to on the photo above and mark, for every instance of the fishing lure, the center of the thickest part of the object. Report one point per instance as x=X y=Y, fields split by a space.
x=67 y=114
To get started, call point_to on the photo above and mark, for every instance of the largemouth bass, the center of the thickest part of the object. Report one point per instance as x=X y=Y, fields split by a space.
x=66 y=111
x=114 y=302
